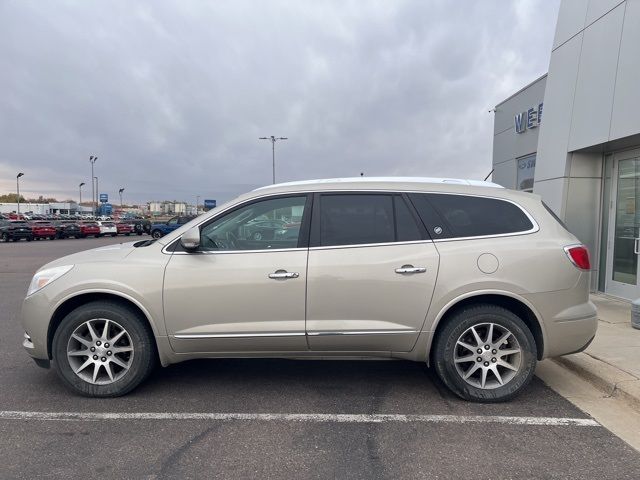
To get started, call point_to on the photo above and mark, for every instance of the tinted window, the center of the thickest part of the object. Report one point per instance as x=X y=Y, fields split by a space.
x=469 y=216
x=406 y=226
x=356 y=219
x=260 y=225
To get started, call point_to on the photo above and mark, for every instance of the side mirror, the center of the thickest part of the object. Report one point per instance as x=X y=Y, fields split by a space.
x=191 y=239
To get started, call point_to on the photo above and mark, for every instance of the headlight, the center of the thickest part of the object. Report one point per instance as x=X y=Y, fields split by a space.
x=44 y=277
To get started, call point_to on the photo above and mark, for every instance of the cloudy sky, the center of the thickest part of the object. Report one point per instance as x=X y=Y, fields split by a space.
x=173 y=95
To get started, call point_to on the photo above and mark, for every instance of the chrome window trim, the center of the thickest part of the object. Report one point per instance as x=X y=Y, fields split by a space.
x=534 y=229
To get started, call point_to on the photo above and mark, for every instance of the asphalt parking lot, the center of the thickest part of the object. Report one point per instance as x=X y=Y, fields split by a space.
x=278 y=418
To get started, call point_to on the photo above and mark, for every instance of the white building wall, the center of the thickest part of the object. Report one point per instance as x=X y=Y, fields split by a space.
x=591 y=106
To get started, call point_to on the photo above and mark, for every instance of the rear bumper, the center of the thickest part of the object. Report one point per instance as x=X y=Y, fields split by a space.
x=571 y=334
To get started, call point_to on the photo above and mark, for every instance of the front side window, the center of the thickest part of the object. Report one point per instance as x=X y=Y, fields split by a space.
x=262 y=225
x=173 y=221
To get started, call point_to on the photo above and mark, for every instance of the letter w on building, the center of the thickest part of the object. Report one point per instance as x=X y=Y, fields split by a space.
x=520 y=121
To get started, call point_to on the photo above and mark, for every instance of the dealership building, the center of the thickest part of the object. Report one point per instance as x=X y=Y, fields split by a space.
x=573 y=136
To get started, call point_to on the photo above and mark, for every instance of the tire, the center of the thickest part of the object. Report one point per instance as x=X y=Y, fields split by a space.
x=4 y=237
x=114 y=234
x=156 y=234
x=97 y=236
x=459 y=328
x=52 y=238
x=29 y=239
x=127 y=234
x=140 y=361
x=257 y=236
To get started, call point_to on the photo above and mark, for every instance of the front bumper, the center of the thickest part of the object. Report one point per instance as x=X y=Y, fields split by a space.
x=34 y=316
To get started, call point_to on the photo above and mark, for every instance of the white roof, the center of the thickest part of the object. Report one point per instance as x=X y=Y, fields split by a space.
x=431 y=180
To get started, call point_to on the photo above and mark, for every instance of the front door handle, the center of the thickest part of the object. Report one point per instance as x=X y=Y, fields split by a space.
x=283 y=274
x=410 y=269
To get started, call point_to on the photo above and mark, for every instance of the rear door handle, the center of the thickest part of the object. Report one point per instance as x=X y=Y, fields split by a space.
x=283 y=274
x=410 y=269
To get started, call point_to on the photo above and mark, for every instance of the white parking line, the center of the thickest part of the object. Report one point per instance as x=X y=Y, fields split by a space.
x=300 y=417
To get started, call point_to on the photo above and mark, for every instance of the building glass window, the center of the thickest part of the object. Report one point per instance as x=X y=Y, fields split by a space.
x=526 y=169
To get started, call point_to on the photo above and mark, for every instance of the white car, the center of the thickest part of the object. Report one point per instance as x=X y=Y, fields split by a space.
x=107 y=228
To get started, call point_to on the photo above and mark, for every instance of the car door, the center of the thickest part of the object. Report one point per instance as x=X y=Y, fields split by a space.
x=371 y=273
x=238 y=294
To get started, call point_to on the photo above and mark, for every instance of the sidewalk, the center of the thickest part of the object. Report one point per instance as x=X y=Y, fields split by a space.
x=612 y=361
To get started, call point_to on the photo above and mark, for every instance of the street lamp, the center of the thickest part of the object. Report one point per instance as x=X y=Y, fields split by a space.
x=80 y=188
x=95 y=211
x=18 y=189
x=120 y=192
x=93 y=159
x=273 y=141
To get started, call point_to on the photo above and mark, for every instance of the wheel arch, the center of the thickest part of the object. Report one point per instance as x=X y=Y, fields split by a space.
x=82 y=298
x=515 y=304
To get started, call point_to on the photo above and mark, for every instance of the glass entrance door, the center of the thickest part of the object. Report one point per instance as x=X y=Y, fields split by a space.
x=624 y=229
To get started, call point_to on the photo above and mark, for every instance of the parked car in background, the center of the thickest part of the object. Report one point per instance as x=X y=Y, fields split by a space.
x=107 y=228
x=42 y=229
x=140 y=225
x=159 y=230
x=124 y=228
x=14 y=230
x=289 y=230
x=263 y=229
x=67 y=229
x=475 y=280
x=88 y=229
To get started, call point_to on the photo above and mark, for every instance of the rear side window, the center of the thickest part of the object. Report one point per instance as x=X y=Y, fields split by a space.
x=356 y=219
x=406 y=227
x=454 y=216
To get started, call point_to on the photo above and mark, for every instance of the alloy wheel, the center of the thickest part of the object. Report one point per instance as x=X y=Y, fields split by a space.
x=100 y=351
x=487 y=356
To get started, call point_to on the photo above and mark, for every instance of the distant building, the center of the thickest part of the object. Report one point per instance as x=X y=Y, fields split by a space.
x=167 y=208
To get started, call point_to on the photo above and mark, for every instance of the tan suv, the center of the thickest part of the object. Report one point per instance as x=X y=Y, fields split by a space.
x=476 y=280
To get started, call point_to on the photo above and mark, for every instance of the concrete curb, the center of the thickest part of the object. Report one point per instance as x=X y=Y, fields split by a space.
x=611 y=380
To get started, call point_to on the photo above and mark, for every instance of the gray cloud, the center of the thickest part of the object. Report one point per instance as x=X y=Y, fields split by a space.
x=172 y=96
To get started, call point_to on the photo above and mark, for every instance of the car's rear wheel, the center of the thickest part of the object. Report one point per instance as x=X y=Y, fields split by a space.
x=4 y=237
x=103 y=349
x=485 y=353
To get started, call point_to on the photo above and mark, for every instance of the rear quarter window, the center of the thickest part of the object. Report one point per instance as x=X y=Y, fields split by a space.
x=454 y=216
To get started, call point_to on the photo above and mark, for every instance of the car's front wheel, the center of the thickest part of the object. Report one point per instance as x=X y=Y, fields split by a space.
x=485 y=353
x=156 y=234
x=103 y=349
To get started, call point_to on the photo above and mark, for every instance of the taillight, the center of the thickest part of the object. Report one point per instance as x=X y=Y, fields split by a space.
x=579 y=256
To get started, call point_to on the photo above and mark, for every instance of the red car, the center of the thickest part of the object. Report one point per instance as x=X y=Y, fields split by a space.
x=124 y=228
x=43 y=229
x=89 y=228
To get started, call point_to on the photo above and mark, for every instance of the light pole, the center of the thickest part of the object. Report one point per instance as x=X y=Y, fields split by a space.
x=93 y=159
x=120 y=192
x=273 y=141
x=95 y=211
x=197 y=204
x=18 y=189
x=80 y=188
